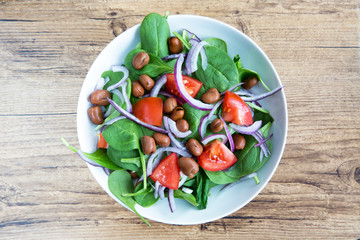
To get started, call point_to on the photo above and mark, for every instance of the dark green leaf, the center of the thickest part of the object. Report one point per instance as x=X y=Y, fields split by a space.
x=186 y=196
x=193 y=117
x=217 y=42
x=118 y=157
x=146 y=199
x=203 y=189
x=102 y=158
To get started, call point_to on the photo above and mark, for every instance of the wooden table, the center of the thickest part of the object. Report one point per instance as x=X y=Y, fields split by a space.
x=47 y=47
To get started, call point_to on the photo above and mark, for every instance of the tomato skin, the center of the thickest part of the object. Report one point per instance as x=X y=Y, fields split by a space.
x=149 y=110
x=216 y=157
x=235 y=110
x=102 y=142
x=192 y=85
x=167 y=172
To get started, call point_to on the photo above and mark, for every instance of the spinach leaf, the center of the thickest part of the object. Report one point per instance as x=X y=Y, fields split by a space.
x=220 y=177
x=193 y=117
x=217 y=42
x=155 y=67
x=186 y=196
x=102 y=158
x=154 y=33
x=122 y=135
x=113 y=76
x=221 y=72
x=249 y=158
x=121 y=158
x=203 y=189
x=264 y=117
x=146 y=199
x=120 y=182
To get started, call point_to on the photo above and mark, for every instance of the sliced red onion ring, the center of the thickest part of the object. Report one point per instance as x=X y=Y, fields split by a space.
x=152 y=164
x=262 y=96
x=181 y=88
x=264 y=141
x=114 y=120
x=251 y=110
x=158 y=85
x=228 y=134
x=187 y=190
x=204 y=122
x=232 y=88
x=259 y=137
x=122 y=80
x=230 y=185
x=106 y=170
x=183 y=179
x=88 y=160
x=193 y=55
x=174 y=141
x=171 y=200
x=193 y=34
x=108 y=111
x=210 y=138
x=156 y=190
x=173 y=56
x=135 y=119
x=100 y=84
x=248 y=130
x=216 y=106
x=175 y=130
x=261 y=156
x=161 y=192
x=126 y=97
x=167 y=94
x=244 y=92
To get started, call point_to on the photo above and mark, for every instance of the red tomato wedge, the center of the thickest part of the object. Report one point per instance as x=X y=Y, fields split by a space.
x=149 y=110
x=216 y=157
x=101 y=142
x=235 y=110
x=167 y=172
x=192 y=85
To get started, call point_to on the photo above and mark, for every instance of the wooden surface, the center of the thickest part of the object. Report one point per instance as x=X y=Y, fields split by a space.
x=46 y=49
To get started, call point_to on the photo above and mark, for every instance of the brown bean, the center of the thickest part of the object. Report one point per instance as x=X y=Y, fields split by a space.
x=95 y=115
x=188 y=166
x=148 y=145
x=239 y=141
x=250 y=82
x=217 y=125
x=137 y=90
x=175 y=45
x=194 y=147
x=210 y=96
x=99 y=97
x=146 y=82
x=169 y=105
x=140 y=60
x=133 y=174
x=161 y=139
x=182 y=125
x=177 y=113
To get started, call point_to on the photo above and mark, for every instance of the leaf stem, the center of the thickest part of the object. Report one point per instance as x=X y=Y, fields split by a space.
x=68 y=145
x=186 y=44
x=142 y=159
x=257 y=180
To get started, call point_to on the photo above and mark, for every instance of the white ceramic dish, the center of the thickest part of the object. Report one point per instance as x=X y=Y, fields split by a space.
x=220 y=204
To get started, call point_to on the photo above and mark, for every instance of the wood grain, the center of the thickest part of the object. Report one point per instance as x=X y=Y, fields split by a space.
x=46 y=49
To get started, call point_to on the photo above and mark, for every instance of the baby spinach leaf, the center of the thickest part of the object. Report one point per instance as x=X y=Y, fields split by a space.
x=102 y=158
x=221 y=72
x=120 y=182
x=186 y=196
x=154 y=33
x=122 y=135
x=113 y=76
x=203 y=189
x=121 y=158
x=264 y=117
x=193 y=117
x=146 y=199
x=220 y=177
x=155 y=67
x=217 y=42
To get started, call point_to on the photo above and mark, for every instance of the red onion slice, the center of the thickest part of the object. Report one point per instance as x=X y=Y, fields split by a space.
x=262 y=96
x=183 y=179
x=126 y=97
x=171 y=200
x=244 y=92
x=173 y=56
x=181 y=88
x=204 y=122
x=230 y=185
x=259 y=137
x=135 y=119
x=114 y=120
x=264 y=141
x=248 y=130
x=210 y=138
x=187 y=190
x=122 y=80
x=156 y=190
x=193 y=55
x=100 y=84
x=158 y=85
x=228 y=134
x=216 y=106
x=232 y=88
x=192 y=34
x=88 y=160
x=174 y=141
x=175 y=130
x=106 y=170
x=161 y=192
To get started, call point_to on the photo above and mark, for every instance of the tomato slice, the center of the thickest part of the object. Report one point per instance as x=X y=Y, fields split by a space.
x=149 y=110
x=235 y=110
x=102 y=142
x=167 y=172
x=192 y=85
x=216 y=157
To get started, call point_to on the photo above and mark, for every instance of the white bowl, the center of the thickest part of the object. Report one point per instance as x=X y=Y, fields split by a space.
x=220 y=204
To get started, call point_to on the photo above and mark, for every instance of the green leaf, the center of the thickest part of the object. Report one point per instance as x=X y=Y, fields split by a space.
x=121 y=158
x=186 y=196
x=102 y=158
x=120 y=183
x=146 y=199
x=203 y=189
x=220 y=177
x=193 y=117
x=217 y=42
x=114 y=77
x=154 y=33
x=221 y=72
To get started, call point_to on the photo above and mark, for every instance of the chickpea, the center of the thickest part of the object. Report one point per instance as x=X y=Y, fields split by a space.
x=137 y=90
x=188 y=166
x=146 y=82
x=140 y=60
x=210 y=96
x=95 y=115
x=175 y=45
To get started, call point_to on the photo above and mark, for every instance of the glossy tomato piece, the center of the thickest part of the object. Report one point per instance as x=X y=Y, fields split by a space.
x=235 y=110
x=167 y=172
x=192 y=85
x=102 y=142
x=149 y=110
x=216 y=157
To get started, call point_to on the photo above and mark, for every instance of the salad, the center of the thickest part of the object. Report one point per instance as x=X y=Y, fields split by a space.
x=177 y=119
